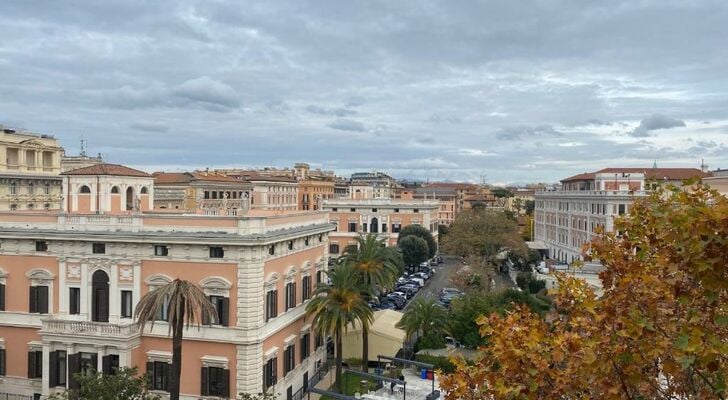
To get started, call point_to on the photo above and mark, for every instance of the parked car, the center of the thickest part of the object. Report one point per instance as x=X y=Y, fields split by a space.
x=387 y=305
x=419 y=281
x=410 y=289
x=542 y=269
x=449 y=290
x=447 y=298
x=399 y=302
x=433 y=262
x=422 y=275
x=439 y=260
x=424 y=264
x=400 y=294
x=451 y=342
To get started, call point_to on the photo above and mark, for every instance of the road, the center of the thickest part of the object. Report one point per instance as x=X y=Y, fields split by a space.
x=441 y=279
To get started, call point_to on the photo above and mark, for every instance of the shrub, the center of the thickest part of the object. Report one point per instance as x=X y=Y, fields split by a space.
x=440 y=362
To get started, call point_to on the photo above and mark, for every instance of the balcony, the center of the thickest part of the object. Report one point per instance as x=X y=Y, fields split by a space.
x=89 y=329
x=590 y=193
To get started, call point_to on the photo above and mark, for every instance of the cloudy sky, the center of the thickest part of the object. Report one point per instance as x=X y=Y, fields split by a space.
x=512 y=91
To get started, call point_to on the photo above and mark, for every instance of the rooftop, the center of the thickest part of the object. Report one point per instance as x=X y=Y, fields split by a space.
x=107 y=169
x=650 y=173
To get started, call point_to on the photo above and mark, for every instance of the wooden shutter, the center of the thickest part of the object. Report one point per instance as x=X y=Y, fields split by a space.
x=74 y=367
x=150 y=375
x=225 y=311
x=205 y=384
x=2 y=362
x=42 y=299
x=53 y=369
x=2 y=297
x=106 y=365
x=31 y=364
x=225 y=383
x=32 y=299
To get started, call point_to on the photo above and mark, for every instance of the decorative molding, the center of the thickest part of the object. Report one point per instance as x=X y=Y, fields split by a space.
x=40 y=276
x=156 y=355
x=214 y=361
x=157 y=280
x=126 y=273
x=73 y=271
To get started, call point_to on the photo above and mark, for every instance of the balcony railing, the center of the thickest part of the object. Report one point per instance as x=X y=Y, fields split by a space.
x=88 y=328
x=590 y=193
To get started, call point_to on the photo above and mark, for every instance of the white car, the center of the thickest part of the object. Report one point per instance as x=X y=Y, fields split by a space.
x=419 y=281
x=542 y=269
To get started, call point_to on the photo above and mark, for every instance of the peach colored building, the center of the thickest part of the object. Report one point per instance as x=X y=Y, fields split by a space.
x=69 y=283
x=314 y=187
x=200 y=190
x=270 y=191
x=385 y=217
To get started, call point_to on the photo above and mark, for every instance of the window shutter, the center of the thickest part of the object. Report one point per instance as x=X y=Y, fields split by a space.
x=106 y=365
x=205 y=317
x=42 y=299
x=168 y=373
x=31 y=364
x=95 y=362
x=32 y=303
x=225 y=383
x=74 y=367
x=225 y=311
x=2 y=297
x=53 y=369
x=205 y=375
x=150 y=375
x=2 y=362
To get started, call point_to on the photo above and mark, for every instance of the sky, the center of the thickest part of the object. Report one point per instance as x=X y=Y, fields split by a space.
x=495 y=91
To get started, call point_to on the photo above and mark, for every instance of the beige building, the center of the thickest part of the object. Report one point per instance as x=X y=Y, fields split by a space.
x=29 y=171
x=69 y=283
x=384 y=337
x=272 y=189
x=201 y=191
x=385 y=217
x=81 y=161
x=314 y=186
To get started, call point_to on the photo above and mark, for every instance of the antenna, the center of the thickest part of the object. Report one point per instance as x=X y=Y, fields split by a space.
x=83 y=147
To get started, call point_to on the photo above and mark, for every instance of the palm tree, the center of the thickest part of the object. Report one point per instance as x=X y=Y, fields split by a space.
x=378 y=267
x=337 y=305
x=424 y=317
x=184 y=302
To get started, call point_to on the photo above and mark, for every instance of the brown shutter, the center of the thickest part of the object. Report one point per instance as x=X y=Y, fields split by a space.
x=32 y=303
x=225 y=383
x=53 y=369
x=2 y=362
x=168 y=374
x=150 y=375
x=225 y=311
x=74 y=367
x=2 y=297
x=42 y=299
x=31 y=364
x=205 y=384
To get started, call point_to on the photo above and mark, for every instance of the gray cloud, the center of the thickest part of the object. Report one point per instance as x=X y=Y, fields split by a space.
x=655 y=122
x=337 y=112
x=526 y=132
x=207 y=92
x=150 y=126
x=347 y=125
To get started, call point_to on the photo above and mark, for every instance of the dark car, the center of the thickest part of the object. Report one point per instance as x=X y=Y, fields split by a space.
x=387 y=305
x=398 y=301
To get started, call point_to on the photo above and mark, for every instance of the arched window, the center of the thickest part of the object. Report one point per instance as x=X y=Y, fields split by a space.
x=84 y=190
x=144 y=190
x=115 y=190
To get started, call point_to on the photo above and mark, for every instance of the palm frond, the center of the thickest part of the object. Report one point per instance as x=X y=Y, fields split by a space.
x=181 y=299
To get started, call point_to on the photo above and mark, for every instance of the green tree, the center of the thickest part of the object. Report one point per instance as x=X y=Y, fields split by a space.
x=501 y=192
x=337 y=305
x=414 y=250
x=426 y=318
x=530 y=206
x=422 y=232
x=483 y=234
x=185 y=304
x=126 y=383
x=378 y=268
x=658 y=330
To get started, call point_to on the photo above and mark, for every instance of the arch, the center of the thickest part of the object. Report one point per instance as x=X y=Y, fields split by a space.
x=374 y=225
x=291 y=271
x=215 y=282
x=40 y=273
x=84 y=189
x=273 y=277
x=157 y=280
x=114 y=190
x=144 y=190
x=129 y=198
x=100 y=296
x=306 y=266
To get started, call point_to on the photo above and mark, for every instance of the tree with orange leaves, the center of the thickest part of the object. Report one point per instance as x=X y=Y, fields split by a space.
x=659 y=331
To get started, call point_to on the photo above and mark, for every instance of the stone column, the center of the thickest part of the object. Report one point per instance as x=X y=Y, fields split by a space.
x=45 y=390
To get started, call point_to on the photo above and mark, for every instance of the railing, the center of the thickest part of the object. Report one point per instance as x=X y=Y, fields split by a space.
x=591 y=193
x=88 y=328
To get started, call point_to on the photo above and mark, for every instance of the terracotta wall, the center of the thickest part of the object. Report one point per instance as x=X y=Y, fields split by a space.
x=17 y=286
x=16 y=349
x=116 y=203
x=192 y=351
x=277 y=340
x=84 y=203
x=281 y=266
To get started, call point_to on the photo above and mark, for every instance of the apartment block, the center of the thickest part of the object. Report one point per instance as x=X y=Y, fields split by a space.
x=567 y=218
x=29 y=171
x=69 y=283
x=200 y=191
x=385 y=217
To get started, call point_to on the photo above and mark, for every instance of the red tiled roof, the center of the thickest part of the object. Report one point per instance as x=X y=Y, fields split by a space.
x=107 y=169
x=650 y=173
x=171 y=177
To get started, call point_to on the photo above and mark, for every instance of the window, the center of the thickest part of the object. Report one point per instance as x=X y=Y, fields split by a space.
x=396 y=210
x=13 y=188
x=352 y=226
x=305 y=346
x=290 y=295
x=98 y=248
x=305 y=242
x=222 y=307
x=272 y=249
x=334 y=209
x=215 y=382
x=57 y=368
x=31 y=188
x=74 y=301
x=163 y=312
x=374 y=210
x=321 y=238
x=271 y=304
x=144 y=190
x=319 y=341
x=364 y=227
x=352 y=209
x=334 y=248
x=416 y=210
x=396 y=228
x=115 y=190
x=35 y=364
x=621 y=209
x=318 y=277
x=207 y=195
x=306 y=293
x=38 y=299
x=41 y=245
x=13 y=207
x=2 y=297
x=84 y=190
x=2 y=362
x=161 y=250
x=289 y=359
x=217 y=252
x=110 y=364
x=270 y=372
x=126 y=299
x=290 y=245
x=158 y=373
